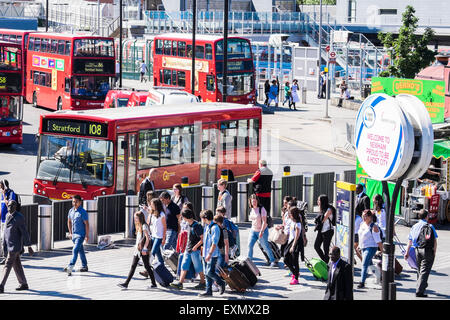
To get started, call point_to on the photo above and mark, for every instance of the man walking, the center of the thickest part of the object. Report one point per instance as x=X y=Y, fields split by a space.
x=78 y=225
x=15 y=237
x=263 y=184
x=147 y=185
x=340 y=278
x=144 y=70
x=173 y=219
x=211 y=237
x=423 y=237
x=6 y=194
x=225 y=198
x=273 y=94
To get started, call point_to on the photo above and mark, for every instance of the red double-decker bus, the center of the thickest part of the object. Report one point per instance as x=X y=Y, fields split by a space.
x=11 y=93
x=172 y=66
x=69 y=71
x=19 y=37
x=99 y=152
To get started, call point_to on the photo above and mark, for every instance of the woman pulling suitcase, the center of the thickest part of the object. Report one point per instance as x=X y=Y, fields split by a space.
x=294 y=244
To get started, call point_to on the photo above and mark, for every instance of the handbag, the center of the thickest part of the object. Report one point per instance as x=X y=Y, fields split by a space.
x=278 y=236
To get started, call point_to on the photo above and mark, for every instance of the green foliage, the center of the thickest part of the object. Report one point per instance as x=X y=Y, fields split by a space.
x=324 y=2
x=408 y=51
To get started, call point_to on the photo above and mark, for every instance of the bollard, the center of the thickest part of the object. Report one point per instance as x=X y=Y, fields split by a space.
x=304 y=91
x=91 y=208
x=184 y=182
x=308 y=190
x=276 y=198
x=45 y=225
x=286 y=171
x=207 y=198
x=242 y=202
x=131 y=206
x=224 y=174
x=337 y=177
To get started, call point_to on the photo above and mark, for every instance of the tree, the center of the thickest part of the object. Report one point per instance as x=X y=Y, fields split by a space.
x=324 y=2
x=409 y=52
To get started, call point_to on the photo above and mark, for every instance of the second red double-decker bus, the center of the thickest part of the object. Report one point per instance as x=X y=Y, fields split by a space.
x=99 y=152
x=69 y=71
x=172 y=66
x=11 y=93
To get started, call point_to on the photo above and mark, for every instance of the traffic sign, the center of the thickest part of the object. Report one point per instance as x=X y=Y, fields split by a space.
x=332 y=54
x=327 y=48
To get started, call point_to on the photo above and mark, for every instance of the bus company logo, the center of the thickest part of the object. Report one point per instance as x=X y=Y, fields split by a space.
x=369 y=117
x=51 y=63
x=36 y=61
x=44 y=62
x=414 y=87
x=59 y=65
x=167 y=175
x=65 y=195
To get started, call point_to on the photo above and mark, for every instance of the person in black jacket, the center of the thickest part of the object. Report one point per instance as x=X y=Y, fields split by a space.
x=362 y=200
x=340 y=278
x=147 y=185
x=173 y=220
x=15 y=237
x=266 y=91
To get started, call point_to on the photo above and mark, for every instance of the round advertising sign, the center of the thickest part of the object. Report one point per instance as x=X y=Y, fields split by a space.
x=384 y=139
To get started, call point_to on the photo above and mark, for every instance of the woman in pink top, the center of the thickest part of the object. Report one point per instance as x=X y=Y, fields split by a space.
x=259 y=231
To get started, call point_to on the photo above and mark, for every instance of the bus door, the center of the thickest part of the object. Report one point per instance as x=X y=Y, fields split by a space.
x=210 y=85
x=209 y=154
x=126 y=164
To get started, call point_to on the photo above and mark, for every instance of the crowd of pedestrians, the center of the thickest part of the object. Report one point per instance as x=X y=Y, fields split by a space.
x=213 y=241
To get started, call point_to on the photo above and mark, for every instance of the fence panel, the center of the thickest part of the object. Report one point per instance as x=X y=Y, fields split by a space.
x=292 y=186
x=111 y=214
x=194 y=195
x=60 y=212
x=232 y=188
x=350 y=176
x=324 y=184
x=30 y=212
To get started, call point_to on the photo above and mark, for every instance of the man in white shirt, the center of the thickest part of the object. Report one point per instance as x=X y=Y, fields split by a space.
x=144 y=70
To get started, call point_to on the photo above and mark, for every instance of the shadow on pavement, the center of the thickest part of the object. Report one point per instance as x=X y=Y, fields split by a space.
x=50 y=294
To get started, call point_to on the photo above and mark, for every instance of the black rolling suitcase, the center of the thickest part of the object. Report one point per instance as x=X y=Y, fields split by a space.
x=275 y=251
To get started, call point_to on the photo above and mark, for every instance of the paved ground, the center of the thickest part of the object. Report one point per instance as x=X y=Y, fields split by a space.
x=109 y=267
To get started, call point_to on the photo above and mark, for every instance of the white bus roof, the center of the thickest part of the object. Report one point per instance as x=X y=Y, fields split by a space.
x=156 y=110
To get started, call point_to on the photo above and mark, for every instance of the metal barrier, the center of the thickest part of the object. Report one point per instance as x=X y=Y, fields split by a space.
x=30 y=212
x=111 y=214
x=194 y=195
x=292 y=186
x=232 y=187
x=91 y=208
x=44 y=241
x=60 y=210
x=324 y=184
x=207 y=199
x=131 y=206
x=242 y=201
x=308 y=190
x=350 y=176
x=276 y=200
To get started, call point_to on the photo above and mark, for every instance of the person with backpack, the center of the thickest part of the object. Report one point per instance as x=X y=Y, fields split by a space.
x=423 y=237
x=141 y=250
x=224 y=244
x=324 y=221
x=232 y=230
x=224 y=198
x=259 y=230
x=6 y=195
x=294 y=244
x=369 y=242
x=192 y=253
x=211 y=237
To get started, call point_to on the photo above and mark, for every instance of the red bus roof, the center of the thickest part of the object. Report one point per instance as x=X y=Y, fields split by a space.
x=15 y=31
x=66 y=36
x=157 y=116
x=10 y=44
x=188 y=36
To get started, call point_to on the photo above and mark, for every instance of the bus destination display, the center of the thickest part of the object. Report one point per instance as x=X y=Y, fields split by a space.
x=10 y=82
x=89 y=66
x=73 y=127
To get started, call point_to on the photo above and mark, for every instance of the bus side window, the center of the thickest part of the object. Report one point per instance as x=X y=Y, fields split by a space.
x=31 y=44
x=242 y=138
x=189 y=51
x=67 y=85
x=174 y=48
x=199 y=52
x=181 y=48
x=210 y=82
x=208 y=52
x=159 y=47
x=161 y=78
x=167 y=76
x=174 y=78
x=37 y=44
x=60 y=46
x=67 y=51
x=181 y=75
x=167 y=47
x=148 y=149
x=54 y=46
x=254 y=133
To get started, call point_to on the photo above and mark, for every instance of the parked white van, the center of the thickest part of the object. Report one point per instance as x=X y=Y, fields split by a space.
x=162 y=95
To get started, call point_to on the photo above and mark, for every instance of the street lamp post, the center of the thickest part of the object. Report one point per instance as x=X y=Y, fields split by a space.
x=320 y=48
x=194 y=30
x=225 y=52
x=46 y=15
x=120 y=43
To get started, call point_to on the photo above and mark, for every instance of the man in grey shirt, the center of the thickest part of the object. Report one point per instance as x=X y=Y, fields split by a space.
x=225 y=198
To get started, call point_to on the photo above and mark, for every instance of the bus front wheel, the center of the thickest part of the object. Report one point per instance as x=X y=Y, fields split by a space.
x=59 y=105
x=35 y=100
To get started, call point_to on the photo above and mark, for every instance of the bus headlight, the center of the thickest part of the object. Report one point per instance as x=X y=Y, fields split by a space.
x=36 y=185
x=103 y=192
x=43 y=192
x=77 y=103
x=14 y=132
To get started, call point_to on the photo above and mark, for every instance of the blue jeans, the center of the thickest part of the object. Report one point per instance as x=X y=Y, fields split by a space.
x=211 y=275
x=264 y=241
x=196 y=259
x=78 y=249
x=367 y=255
x=171 y=239
x=156 y=249
x=221 y=262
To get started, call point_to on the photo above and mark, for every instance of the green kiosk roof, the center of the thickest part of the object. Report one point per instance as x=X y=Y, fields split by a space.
x=441 y=149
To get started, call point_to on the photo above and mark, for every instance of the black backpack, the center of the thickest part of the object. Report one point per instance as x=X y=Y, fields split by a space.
x=425 y=240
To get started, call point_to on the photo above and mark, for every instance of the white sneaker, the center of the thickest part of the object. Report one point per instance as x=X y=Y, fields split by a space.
x=69 y=270
x=215 y=288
